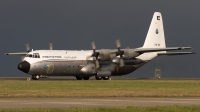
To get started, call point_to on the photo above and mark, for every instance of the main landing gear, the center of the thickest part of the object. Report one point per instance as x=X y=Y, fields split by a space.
x=80 y=78
x=104 y=78
x=35 y=77
x=97 y=78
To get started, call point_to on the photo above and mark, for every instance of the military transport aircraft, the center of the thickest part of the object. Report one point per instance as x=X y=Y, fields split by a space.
x=101 y=63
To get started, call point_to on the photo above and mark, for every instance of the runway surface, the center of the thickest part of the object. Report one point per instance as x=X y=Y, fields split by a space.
x=94 y=102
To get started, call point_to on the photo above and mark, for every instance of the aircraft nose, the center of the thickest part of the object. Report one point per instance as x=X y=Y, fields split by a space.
x=24 y=66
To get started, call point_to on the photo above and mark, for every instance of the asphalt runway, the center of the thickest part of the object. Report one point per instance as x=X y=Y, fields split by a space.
x=95 y=102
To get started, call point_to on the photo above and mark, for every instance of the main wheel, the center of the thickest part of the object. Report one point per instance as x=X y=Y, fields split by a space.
x=79 y=77
x=106 y=78
x=98 y=78
x=86 y=78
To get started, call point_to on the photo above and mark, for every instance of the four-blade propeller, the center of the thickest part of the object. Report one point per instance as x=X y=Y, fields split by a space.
x=120 y=53
x=95 y=54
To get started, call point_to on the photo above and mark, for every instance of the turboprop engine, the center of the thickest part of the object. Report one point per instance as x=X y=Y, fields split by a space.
x=130 y=53
x=104 y=54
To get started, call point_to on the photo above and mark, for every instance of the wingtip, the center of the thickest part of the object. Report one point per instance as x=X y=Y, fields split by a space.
x=193 y=53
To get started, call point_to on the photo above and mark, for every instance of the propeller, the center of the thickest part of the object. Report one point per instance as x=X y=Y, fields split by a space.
x=27 y=47
x=95 y=54
x=120 y=53
x=50 y=46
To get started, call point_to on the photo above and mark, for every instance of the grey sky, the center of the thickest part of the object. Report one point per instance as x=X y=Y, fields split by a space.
x=75 y=24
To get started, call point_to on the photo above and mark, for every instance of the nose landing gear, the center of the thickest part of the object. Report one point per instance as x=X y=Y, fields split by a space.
x=35 y=77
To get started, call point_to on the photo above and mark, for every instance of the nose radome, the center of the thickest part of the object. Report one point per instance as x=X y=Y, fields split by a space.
x=24 y=66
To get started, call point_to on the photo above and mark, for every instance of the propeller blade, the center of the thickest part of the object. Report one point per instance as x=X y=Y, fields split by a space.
x=95 y=54
x=27 y=47
x=50 y=46
x=118 y=43
x=93 y=45
x=121 y=62
x=97 y=64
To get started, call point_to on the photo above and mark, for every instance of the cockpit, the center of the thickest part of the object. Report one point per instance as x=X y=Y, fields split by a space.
x=34 y=55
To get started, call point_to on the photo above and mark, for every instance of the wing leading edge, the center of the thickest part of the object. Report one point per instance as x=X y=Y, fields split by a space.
x=17 y=54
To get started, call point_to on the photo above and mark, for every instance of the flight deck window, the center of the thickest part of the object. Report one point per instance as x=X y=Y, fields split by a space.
x=36 y=55
x=30 y=55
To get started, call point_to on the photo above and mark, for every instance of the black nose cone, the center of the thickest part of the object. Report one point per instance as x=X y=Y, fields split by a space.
x=24 y=66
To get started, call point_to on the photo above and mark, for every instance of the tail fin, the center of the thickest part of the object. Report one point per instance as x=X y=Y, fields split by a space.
x=155 y=37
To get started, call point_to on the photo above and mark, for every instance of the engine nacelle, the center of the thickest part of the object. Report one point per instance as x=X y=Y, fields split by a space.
x=89 y=69
x=104 y=54
x=130 y=53
x=103 y=73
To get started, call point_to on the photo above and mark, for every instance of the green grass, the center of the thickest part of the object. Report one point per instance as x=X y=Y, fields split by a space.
x=103 y=88
x=174 y=108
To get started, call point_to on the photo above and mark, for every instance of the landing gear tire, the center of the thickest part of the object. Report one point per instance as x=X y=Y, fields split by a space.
x=35 y=77
x=79 y=77
x=98 y=78
x=86 y=78
x=106 y=78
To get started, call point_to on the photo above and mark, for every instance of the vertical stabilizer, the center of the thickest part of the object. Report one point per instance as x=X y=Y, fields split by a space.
x=155 y=37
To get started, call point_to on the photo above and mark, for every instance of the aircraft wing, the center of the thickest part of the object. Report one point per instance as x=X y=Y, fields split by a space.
x=143 y=50
x=17 y=54
x=174 y=53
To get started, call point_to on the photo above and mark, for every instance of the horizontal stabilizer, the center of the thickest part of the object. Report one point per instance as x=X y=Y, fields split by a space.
x=143 y=50
x=175 y=53
x=17 y=54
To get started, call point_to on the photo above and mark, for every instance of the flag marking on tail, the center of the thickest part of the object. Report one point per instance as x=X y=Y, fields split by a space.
x=158 y=17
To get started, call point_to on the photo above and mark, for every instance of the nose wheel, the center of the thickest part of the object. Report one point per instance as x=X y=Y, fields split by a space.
x=35 y=77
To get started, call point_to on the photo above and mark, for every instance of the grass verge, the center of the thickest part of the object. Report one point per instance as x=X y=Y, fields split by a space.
x=94 y=88
x=174 y=108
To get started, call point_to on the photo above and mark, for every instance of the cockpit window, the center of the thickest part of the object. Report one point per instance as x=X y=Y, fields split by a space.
x=35 y=55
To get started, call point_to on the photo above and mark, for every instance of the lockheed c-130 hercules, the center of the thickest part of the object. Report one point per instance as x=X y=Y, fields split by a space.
x=99 y=63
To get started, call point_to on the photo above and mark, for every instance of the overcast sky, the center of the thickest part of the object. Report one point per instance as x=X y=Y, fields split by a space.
x=74 y=24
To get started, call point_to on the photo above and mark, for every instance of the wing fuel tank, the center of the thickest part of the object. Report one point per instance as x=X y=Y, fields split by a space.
x=129 y=62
